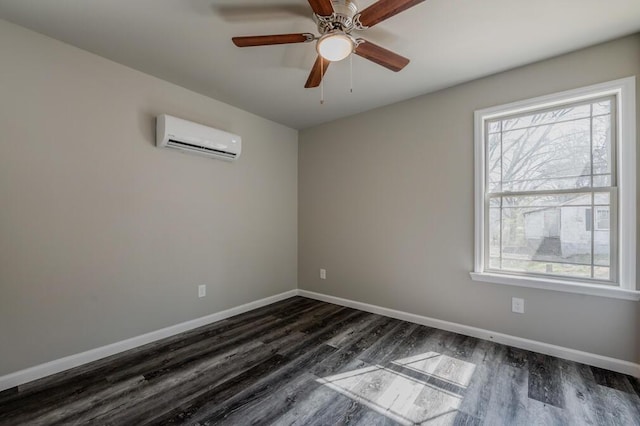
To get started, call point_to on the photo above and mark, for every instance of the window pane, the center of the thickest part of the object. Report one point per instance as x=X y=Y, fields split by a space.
x=603 y=107
x=554 y=156
x=494 y=126
x=556 y=234
x=602 y=218
x=602 y=237
x=541 y=267
x=494 y=232
x=602 y=198
x=602 y=273
x=562 y=114
x=538 y=202
x=564 y=148
x=602 y=181
x=495 y=162
x=602 y=145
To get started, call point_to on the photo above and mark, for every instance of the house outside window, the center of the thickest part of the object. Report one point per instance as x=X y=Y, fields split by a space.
x=602 y=221
x=555 y=191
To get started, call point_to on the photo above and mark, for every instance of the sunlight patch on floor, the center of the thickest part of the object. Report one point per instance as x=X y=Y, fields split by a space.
x=445 y=368
x=423 y=389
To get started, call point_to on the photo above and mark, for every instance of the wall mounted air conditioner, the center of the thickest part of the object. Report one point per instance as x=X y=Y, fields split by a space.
x=193 y=138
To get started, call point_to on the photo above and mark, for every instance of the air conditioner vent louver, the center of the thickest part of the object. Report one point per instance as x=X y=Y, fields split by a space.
x=175 y=133
x=192 y=147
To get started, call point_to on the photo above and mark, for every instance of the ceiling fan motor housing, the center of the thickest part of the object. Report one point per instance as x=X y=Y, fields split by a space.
x=342 y=18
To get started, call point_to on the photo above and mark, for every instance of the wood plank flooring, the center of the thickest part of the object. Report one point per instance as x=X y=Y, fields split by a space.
x=304 y=362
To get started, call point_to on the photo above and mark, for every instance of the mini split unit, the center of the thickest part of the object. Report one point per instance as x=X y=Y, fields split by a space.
x=193 y=138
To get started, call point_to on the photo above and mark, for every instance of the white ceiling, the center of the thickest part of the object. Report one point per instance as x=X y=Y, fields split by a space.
x=188 y=42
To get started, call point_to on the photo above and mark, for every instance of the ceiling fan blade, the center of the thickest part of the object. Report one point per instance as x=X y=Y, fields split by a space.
x=321 y=7
x=381 y=56
x=384 y=9
x=267 y=40
x=317 y=72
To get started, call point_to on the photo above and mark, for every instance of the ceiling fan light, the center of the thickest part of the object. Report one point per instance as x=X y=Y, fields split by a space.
x=335 y=46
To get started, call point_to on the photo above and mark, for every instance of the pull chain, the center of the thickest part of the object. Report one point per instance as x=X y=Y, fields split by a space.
x=321 y=80
x=351 y=73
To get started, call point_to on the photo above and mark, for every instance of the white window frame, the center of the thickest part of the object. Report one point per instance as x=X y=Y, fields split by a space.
x=625 y=286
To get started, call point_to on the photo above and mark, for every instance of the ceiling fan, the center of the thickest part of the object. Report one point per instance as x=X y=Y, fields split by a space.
x=336 y=20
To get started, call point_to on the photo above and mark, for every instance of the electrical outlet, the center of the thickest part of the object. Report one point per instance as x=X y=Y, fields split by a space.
x=323 y=274
x=202 y=290
x=517 y=305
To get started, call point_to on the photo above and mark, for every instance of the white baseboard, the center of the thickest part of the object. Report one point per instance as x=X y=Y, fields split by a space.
x=62 y=364
x=595 y=360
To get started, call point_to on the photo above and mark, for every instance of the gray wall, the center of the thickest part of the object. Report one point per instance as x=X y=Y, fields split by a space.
x=386 y=206
x=105 y=237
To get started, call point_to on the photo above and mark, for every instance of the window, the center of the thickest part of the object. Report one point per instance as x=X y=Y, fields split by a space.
x=555 y=191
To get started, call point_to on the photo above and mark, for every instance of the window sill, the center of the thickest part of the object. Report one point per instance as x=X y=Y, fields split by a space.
x=557 y=285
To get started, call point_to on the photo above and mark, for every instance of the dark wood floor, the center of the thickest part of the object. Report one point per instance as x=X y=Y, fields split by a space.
x=300 y=361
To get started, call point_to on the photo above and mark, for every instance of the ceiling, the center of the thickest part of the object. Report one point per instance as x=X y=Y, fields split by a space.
x=188 y=42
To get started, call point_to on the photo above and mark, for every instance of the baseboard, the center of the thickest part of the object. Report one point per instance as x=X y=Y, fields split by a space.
x=595 y=360
x=62 y=364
